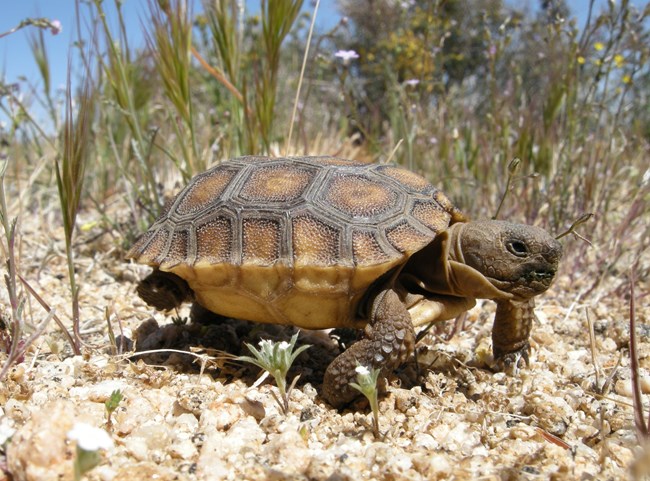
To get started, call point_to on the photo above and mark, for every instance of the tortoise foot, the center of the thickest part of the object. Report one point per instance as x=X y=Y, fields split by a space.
x=389 y=340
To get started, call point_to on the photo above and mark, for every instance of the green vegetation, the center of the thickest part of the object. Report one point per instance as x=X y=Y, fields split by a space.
x=276 y=359
x=367 y=385
x=112 y=403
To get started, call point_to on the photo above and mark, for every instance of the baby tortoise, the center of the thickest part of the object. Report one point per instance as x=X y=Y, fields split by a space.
x=324 y=242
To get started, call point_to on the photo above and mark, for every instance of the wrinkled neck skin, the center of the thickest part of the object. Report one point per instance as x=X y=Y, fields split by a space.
x=461 y=279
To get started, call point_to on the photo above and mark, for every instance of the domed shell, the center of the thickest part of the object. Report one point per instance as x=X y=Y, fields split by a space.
x=293 y=240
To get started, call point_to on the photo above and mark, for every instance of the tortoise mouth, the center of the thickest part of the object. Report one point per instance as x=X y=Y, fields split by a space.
x=528 y=280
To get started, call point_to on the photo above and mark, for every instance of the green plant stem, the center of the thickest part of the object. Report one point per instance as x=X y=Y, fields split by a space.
x=9 y=237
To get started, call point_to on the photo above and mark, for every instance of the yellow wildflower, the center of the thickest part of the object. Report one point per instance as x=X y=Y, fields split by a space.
x=89 y=225
x=581 y=60
x=619 y=60
x=627 y=79
x=599 y=46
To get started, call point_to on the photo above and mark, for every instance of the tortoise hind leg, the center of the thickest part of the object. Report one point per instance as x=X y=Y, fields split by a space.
x=164 y=290
x=201 y=315
x=389 y=339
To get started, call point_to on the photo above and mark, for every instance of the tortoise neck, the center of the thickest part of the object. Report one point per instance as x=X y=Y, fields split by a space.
x=452 y=248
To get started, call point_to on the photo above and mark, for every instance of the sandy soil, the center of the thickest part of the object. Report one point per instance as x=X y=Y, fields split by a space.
x=203 y=418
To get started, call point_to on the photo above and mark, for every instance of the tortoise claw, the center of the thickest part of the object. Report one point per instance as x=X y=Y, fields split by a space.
x=510 y=362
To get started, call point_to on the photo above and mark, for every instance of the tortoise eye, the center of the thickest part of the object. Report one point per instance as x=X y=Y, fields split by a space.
x=518 y=248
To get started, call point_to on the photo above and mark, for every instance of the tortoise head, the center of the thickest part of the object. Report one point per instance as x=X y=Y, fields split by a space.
x=164 y=290
x=515 y=258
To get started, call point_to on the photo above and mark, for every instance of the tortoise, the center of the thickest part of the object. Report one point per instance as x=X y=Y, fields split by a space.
x=325 y=242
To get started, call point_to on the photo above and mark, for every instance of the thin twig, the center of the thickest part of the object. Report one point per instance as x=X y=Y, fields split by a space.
x=513 y=168
x=21 y=349
x=594 y=349
x=571 y=230
x=219 y=75
x=49 y=310
x=392 y=152
x=642 y=429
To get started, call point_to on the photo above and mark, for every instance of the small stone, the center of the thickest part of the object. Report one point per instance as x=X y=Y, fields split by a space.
x=183 y=448
x=186 y=422
x=253 y=408
x=288 y=453
x=425 y=441
x=99 y=392
x=220 y=416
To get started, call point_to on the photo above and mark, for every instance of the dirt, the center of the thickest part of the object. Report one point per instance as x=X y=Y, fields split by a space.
x=190 y=412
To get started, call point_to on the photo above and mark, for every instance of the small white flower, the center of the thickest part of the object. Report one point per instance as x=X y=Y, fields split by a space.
x=55 y=27
x=90 y=438
x=412 y=82
x=362 y=370
x=284 y=345
x=346 y=55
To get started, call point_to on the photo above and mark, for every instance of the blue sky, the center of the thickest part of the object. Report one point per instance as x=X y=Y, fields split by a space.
x=15 y=56
x=16 y=60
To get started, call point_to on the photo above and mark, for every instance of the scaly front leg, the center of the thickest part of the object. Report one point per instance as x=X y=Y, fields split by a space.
x=388 y=341
x=511 y=331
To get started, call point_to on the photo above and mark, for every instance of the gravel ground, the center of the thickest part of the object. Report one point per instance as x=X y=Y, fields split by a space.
x=201 y=416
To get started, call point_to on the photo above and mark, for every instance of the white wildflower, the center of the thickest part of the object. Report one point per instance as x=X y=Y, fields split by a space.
x=90 y=438
x=362 y=370
x=55 y=27
x=346 y=56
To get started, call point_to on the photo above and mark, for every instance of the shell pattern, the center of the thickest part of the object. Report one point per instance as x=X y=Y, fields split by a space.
x=293 y=241
x=319 y=211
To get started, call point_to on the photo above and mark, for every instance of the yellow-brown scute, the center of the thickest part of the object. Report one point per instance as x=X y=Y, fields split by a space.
x=260 y=241
x=406 y=238
x=178 y=248
x=406 y=177
x=203 y=190
x=357 y=196
x=367 y=249
x=276 y=184
x=214 y=240
x=315 y=242
x=431 y=214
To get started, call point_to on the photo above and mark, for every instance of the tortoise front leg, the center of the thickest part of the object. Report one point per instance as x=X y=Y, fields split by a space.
x=511 y=331
x=389 y=339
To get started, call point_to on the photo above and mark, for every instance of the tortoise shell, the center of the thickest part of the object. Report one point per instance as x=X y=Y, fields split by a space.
x=293 y=241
